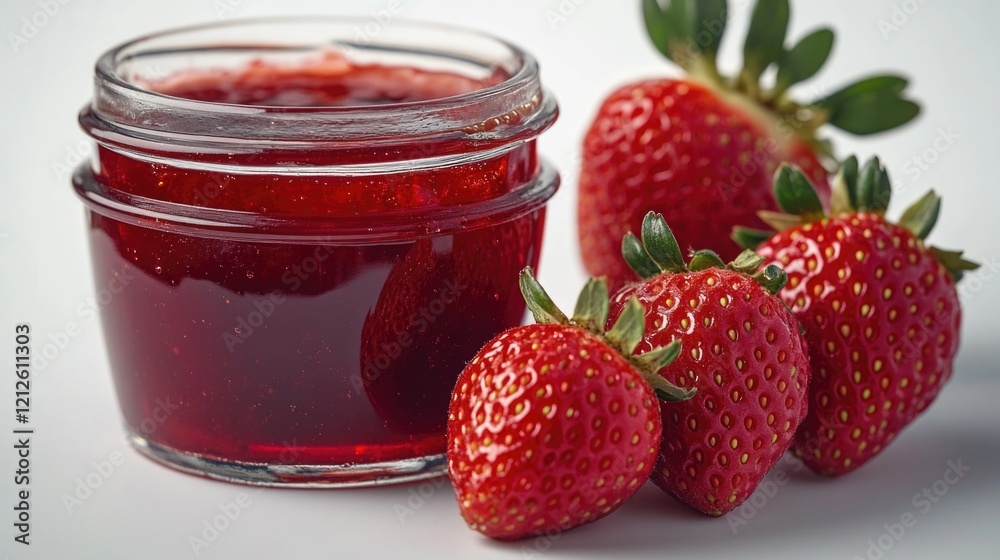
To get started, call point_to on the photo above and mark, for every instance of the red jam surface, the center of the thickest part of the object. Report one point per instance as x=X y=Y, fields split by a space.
x=306 y=353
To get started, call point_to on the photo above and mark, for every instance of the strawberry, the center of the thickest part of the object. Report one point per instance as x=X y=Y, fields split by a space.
x=551 y=425
x=744 y=354
x=878 y=306
x=702 y=149
x=418 y=335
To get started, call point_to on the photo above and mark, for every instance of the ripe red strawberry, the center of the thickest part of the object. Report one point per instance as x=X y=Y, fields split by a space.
x=878 y=306
x=550 y=425
x=743 y=353
x=702 y=149
x=409 y=362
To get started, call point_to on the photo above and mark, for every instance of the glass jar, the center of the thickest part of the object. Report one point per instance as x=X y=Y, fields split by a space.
x=310 y=229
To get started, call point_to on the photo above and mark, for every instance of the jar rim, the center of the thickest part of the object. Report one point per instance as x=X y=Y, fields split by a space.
x=129 y=116
x=364 y=229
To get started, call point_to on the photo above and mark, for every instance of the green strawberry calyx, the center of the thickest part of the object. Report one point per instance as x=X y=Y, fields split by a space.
x=591 y=315
x=658 y=253
x=689 y=32
x=855 y=190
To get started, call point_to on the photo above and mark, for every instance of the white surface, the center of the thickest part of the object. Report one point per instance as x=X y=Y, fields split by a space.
x=145 y=511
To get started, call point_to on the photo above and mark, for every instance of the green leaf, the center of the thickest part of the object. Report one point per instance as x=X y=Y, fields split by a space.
x=666 y=390
x=747 y=262
x=795 y=194
x=954 y=262
x=541 y=305
x=873 y=113
x=920 y=218
x=703 y=259
x=660 y=243
x=772 y=278
x=871 y=105
x=804 y=59
x=654 y=360
x=709 y=25
x=765 y=40
x=843 y=199
x=874 y=188
x=750 y=238
x=849 y=169
x=779 y=220
x=882 y=193
x=591 y=311
x=680 y=14
x=866 y=183
x=873 y=84
x=670 y=28
x=637 y=257
x=657 y=26
x=627 y=331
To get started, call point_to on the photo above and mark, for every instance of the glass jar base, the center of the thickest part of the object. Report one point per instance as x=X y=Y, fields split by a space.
x=294 y=476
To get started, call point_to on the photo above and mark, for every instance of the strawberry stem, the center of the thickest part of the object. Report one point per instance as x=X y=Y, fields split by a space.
x=921 y=217
x=873 y=189
x=747 y=262
x=866 y=190
x=802 y=61
x=657 y=237
x=591 y=315
x=953 y=262
x=795 y=194
x=765 y=39
x=772 y=278
x=660 y=243
x=541 y=305
x=690 y=32
x=627 y=331
x=702 y=259
x=749 y=238
x=654 y=360
x=840 y=199
x=591 y=312
x=637 y=258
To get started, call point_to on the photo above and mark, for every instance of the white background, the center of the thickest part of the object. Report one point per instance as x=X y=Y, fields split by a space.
x=145 y=511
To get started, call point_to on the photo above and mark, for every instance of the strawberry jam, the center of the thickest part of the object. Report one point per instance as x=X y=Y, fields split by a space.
x=310 y=246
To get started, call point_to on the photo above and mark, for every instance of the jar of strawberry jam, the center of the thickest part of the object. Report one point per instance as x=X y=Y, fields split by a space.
x=311 y=230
